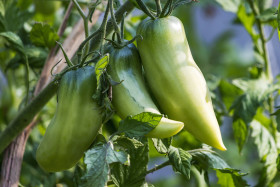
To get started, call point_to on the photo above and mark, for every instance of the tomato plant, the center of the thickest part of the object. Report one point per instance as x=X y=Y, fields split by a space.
x=115 y=98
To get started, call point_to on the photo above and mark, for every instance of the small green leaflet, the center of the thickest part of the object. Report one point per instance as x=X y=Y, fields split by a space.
x=267 y=152
x=240 y=132
x=205 y=159
x=43 y=35
x=247 y=20
x=162 y=145
x=14 y=41
x=180 y=160
x=103 y=86
x=97 y=160
x=140 y=124
x=268 y=15
x=132 y=175
x=230 y=178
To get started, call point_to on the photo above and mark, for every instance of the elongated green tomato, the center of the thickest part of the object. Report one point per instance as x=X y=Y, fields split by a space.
x=175 y=80
x=75 y=124
x=131 y=97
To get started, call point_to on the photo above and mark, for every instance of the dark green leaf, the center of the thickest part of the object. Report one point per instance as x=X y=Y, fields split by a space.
x=162 y=145
x=267 y=152
x=268 y=15
x=180 y=160
x=230 y=178
x=240 y=132
x=140 y=124
x=128 y=143
x=12 y=18
x=204 y=159
x=43 y=35
x=97 y=160
x=264 y=4
x=132 y=175
x=228 y=92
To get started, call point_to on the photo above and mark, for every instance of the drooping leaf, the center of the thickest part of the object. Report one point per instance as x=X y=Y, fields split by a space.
x=207 y=159
x=267 y=150
x=43 y=35
x=162 y=145
x=230 y=178
x=180 y=160
x=132 y=175
x=140 y=124
x=97 y=160
x=240 y=132
x=14 y=41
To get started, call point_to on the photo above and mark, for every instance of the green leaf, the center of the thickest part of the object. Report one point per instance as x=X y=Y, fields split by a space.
x=97 y=160
x=229 y=5
x=162 y=145
x=12 y=18
x=228 y=92
x=128 y=143
x=264 y=4
x=230 y=178
x=103 y=87
x=43 y=35
x=140 y=124
x=268 y=15
x=204 y=159
x=132 y=175
x=180 y=160
x=240 y=133
x=247 y=20
x=14 y=41
x=256 y=91
x=267 y=150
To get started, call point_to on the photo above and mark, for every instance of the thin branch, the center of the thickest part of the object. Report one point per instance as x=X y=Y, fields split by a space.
x=164 y=164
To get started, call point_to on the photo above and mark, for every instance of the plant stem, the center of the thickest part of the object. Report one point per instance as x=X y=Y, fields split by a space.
x=267 y=64
x=103 y=29
x=159 y=9
x=115 y=24
x=263 y=41
x=85 y=19
x=145 y=9
x=164 y=164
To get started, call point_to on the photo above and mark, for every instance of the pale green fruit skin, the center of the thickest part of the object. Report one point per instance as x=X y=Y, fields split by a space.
x=131 y=97
x=75 y=124
x=175 y=80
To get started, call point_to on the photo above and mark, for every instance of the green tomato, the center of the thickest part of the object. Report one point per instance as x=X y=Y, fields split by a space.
x=46 y=7
x=75 y=124
x=175 y=80
x=131 y=96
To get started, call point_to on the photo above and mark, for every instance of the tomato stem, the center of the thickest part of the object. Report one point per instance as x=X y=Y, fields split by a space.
x=145 y=9
x=159 y=9
x=115 y=24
